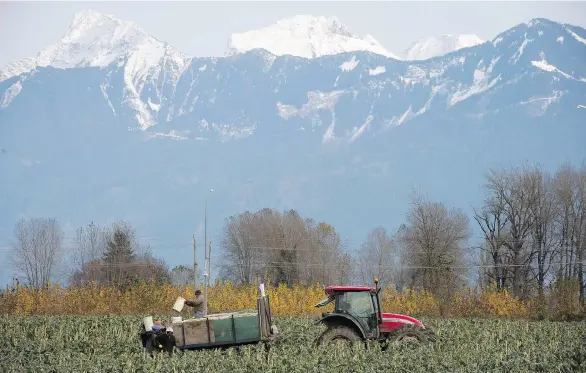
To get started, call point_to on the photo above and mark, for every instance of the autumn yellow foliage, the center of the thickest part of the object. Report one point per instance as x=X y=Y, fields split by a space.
x=489 y=302
x=224 y=297
x=410 y=302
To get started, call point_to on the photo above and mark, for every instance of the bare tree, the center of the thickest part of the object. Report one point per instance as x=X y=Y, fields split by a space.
x=517 y=221
x=278 y=239
x=89 y=245
x=401 y=259
x=377 y=258
x=182 y=275
x=240 y=262
x=570 y=191
x=326 y=261
x=544 y=212
x=38 y=249
x=493 y=221
x=281 y=248
x=147 y=267
x=434 y=237
x=514 y=195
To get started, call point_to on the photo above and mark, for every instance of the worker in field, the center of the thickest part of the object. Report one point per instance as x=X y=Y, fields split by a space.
x=197 y=304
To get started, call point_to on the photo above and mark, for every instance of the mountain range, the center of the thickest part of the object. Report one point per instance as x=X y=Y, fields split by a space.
x=111 y=123
x=440 y=45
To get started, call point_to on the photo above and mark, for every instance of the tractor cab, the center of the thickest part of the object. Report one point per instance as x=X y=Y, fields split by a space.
x=357 y=316
x=356 y=306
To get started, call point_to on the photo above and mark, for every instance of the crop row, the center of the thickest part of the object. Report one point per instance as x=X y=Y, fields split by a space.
x=85 y=344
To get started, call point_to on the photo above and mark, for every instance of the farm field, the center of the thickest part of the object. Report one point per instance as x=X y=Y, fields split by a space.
x=59 y=344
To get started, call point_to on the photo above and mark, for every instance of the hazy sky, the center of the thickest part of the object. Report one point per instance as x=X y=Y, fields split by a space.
x=202 y=28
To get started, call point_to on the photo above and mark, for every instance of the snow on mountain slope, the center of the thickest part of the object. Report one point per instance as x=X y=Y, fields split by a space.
x=96 y=39
x=99 y=40
x=305 y=36
x=345 y=96
x=435 y=46
x=17 y=67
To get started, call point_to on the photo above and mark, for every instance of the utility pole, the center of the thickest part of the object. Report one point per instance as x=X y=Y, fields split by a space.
x=210 y=261
x=194 y=266
x=207 y=272
x=205 y=221
x=205 y=228
x=205 y=283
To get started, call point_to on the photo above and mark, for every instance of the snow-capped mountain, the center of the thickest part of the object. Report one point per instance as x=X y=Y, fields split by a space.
x=305 y=36
x=96 y=39
x=17 y=67
x=342 y=138
x=99 y=40
x=435 y=46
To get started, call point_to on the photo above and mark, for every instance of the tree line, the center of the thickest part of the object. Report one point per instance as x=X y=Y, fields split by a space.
x=533 y=226
x=111 y=256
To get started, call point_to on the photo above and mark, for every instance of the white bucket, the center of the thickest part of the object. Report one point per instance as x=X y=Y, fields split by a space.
x=148 y=323
x=179 y=303
x=262 y=290
x=176 y=319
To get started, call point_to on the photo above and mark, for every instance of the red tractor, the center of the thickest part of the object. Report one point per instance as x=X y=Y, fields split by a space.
x=357 y=316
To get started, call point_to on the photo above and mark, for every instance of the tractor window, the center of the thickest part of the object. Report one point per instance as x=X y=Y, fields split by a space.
x=357 y=303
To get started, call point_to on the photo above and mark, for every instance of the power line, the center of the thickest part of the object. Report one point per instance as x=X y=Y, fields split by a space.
x=181 y=245
x=410 y=251
x=330 y=265
x=249 y=236
x=146 y=246
x=272 y=264
x=97 y=263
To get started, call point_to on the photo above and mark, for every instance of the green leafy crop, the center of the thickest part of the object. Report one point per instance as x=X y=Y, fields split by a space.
x=60 y=344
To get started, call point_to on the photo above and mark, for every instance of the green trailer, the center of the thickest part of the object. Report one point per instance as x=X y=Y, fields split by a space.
x=224 y=329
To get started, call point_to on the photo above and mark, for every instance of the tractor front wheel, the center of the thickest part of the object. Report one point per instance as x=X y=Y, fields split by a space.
x=411 y=333
x=338 y=334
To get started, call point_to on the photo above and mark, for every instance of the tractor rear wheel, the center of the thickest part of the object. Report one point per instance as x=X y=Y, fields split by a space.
x=338 y=334
x=411 y=333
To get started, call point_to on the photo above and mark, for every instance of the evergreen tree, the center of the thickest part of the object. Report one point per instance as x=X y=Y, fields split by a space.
x=119 y=257
x=119 y=247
